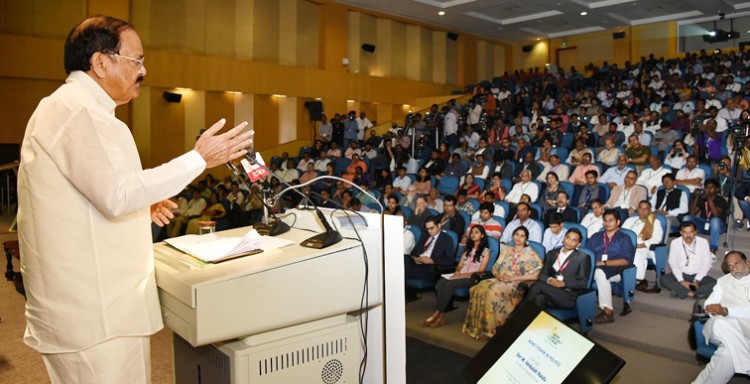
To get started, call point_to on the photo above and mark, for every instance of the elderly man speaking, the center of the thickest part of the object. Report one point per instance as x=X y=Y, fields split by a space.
x=85 y=207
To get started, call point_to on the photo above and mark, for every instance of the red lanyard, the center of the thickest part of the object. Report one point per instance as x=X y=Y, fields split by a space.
x=607 y=242
x=562 y=268
x=708 y=211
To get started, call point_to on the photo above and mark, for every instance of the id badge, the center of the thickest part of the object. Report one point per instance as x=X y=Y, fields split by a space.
x=559 y=277
x=707 y=226
x=604 y=257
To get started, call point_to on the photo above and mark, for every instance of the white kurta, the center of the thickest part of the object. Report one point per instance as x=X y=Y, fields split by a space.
x=84 y=221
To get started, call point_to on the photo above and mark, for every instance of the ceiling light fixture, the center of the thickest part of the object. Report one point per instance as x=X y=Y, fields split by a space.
x=441 y=13
x=584 y=13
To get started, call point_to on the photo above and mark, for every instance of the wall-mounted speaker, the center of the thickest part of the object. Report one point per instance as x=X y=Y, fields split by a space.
x=452 y=36
x=618 y=35
x=527 y=48
x=315 y=108
x=172 y=97
x=368 y=48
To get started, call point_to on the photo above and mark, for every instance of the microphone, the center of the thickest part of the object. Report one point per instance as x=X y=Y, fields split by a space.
x=320 y=241
x=267 y=227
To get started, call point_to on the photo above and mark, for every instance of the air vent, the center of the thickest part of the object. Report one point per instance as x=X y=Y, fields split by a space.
x=302 y=356
x=332 y=371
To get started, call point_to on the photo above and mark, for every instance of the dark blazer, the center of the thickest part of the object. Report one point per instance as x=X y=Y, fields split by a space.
x=575 y=274
x=569 y=215
x=443 y=253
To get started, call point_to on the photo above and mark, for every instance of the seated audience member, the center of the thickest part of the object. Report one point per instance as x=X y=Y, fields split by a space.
x=637 y=154
x=567 y=214
x=561 y=170
x=496 y=189
x=709 y=211
x=479 y=168
x=575 y=157
x=488 y=197
x=351 y=170
x=691 y=177
x=392 y=207
x=524 y=187
x=625 y=198
x=644 y=139
x=409 y=199
x=409 y=240
x=463 y=203
x=651 y=177
x=401 y=182
x=456 y=167
x=728 y=306
x=609 y=154
x=528 y=164
x=306 y=159
x=493 y=300
x=356 y=205
x=420 y=214
x=214 y=211
x=548 y=200
x=424 y=182
x=649 y=233
x=677 y=156
x=433 y=250
x=325 y=199
x=564 y=276
x=664 y=137
x=474 y=259
x=451 y=219
x=353 y=150
x=434 y=201
x=309 y=174
x=588 y=192
x=193 y=209
x=523 y=219
x=472 y=189
x=485 y=219
x=670 y=201
x=322 y=163
x=290 y=173
x=615 y=176
x=555 y=232
x=579 y=174
x=435 y=166
x=690 y=262
x=613 y=250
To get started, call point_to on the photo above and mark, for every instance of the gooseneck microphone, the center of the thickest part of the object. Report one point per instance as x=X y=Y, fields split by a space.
x=322 y=240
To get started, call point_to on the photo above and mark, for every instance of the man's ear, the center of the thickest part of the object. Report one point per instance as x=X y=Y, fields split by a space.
x=99 y=64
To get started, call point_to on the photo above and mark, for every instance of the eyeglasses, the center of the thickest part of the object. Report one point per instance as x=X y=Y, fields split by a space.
x=139 y=62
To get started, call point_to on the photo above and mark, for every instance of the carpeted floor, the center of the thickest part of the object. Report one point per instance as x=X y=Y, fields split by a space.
x=428 y=364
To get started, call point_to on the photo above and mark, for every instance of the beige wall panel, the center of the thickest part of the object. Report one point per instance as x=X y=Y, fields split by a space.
x=288 y=34
x=536 y=58
x=54 y=18
x=595 y=48
x=651 y=39
x=140 y=17
x=17 y=17
x=413 y=54
x=167 y=128
x=168 y=29
x=451 y=61
x=439 y=57
x=22 y=104
x=243 y=33
x=287 y=119
x=308 y=27
x=243 y=109
x=198 y=17
x=466 y=60
x=266 y=116
x=266 y=31
x=355 y=41
x=368 y=35
x=219 y=105
x=334 y=37
x=425 y=49
x=498 y=60
x=141 y=127
x=398 y=50
x=114 y=8
x=195 y=116
x=384 y=57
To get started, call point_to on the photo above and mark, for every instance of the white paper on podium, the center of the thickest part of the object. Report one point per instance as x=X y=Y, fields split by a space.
x=212 y=248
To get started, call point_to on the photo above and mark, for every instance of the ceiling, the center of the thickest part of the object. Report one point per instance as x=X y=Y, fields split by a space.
x=526 y=20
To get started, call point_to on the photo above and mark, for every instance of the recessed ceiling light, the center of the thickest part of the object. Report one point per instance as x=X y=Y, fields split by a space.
x=584 y=13
x=538 y=38
x=441 y=13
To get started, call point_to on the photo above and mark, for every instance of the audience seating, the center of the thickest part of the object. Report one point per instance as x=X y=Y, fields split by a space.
x=585 y=302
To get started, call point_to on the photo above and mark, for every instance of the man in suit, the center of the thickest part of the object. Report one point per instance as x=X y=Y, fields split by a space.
x=564 y=276
x=569 y=214
x=434 y=249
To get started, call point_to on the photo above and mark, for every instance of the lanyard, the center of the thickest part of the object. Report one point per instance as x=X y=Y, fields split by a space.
x=559 y=267
x=607 y=242
x=708 y=211
x=688 y=251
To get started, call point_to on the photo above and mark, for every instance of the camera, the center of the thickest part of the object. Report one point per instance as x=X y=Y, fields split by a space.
x=678 y=154
x=722 y=166
x=700 y=191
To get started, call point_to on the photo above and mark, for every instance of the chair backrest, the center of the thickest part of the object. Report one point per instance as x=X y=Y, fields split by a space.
x=448 y=185
x=467 y=219
x=416 y=231
x=592 y=258
x=507 y=184
x=606 y=188
x=569 y=188
x=494 y=245
x=479 y=182
x=539 y=249
x=454 y=238
x=474 y=203
x=506 y=208
x=340 y=165
x=707 y=170
x=578 y=213
x=538 y=209
x=663 y=222
x=631 y=234
x=581 y=228
x=539 y=191
x=500 y=220
x=406 y=211
x=433 y=212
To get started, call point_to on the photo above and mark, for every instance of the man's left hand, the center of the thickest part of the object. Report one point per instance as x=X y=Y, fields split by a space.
x=161 y=212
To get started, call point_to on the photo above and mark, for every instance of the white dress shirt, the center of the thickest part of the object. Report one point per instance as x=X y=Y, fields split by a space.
x=520 y=189
x=694 y=259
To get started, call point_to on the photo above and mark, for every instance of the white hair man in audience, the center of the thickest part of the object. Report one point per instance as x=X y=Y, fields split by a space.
x=626 y=197
x=729 y=326
x=691 y=176
x=651 y=177
x=609 y=155
x=615 y=176
x=524 y=187
x=650 y=233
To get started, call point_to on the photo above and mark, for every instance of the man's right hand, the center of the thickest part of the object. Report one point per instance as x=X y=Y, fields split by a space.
x=220 y=149
x=685 y=284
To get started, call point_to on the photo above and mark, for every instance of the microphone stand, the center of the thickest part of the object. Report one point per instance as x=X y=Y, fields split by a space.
x=319 y=241
x=267 y=227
